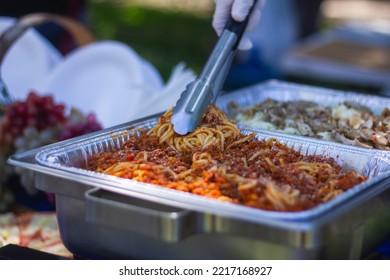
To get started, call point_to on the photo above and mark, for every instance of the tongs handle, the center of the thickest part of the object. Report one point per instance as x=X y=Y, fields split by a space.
x=238 y=28
x=202 y=92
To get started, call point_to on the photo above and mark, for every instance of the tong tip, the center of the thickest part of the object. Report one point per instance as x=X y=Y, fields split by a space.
x=181 y=124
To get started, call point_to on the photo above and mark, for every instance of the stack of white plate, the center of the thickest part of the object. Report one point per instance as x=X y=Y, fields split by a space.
x=107 y=78
x=28 y=62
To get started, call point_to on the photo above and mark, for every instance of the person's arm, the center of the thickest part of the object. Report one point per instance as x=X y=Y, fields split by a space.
x=239 y=10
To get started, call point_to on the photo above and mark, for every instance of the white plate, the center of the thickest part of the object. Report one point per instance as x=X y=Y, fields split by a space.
x=167 y=97
x=151 y=76
x=28 y=61
x=107 y=78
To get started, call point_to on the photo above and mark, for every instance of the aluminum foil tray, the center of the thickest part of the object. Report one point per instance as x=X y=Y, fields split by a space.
x=320 y=56
x=101 y=216
x=285 y=91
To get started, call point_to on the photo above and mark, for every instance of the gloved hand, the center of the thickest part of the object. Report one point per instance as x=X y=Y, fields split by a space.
x=239 y=9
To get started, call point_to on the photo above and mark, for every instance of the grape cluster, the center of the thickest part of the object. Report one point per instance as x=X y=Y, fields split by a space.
x=35 y=122
x=36 y=111
x=78 y=124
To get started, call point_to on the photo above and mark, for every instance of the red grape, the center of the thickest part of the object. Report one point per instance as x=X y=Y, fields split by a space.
x=38 y=111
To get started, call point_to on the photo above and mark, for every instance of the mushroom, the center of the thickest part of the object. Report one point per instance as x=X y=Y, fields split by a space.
x=342 y=139
x=380 y=138
x=367 y=134
x=356 y=142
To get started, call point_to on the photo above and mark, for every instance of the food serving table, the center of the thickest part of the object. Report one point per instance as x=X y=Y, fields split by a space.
x=113 y=218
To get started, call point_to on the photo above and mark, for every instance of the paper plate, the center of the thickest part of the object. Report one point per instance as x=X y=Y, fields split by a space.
x=151 y=76
x=107 y=78
x=28 y=61
x=167 y=96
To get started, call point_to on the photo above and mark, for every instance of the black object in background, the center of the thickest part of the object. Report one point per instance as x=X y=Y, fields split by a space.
x=75 y=9
x=15 y=252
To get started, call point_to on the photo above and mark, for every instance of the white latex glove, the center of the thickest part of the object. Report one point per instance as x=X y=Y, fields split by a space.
x=239 y=9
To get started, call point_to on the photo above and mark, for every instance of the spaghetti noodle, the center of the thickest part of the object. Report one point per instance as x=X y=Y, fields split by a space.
x=218 y=161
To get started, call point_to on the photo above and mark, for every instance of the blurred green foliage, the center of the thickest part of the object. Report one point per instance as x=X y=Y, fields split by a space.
x=164 y=37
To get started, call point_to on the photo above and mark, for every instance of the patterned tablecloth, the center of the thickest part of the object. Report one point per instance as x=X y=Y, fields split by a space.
x=35 y=230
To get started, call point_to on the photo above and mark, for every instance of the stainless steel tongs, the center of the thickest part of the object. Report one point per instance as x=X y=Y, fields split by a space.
x=204 y=90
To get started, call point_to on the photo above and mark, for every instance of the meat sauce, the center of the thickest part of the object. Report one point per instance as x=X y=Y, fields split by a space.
x=263 y=162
